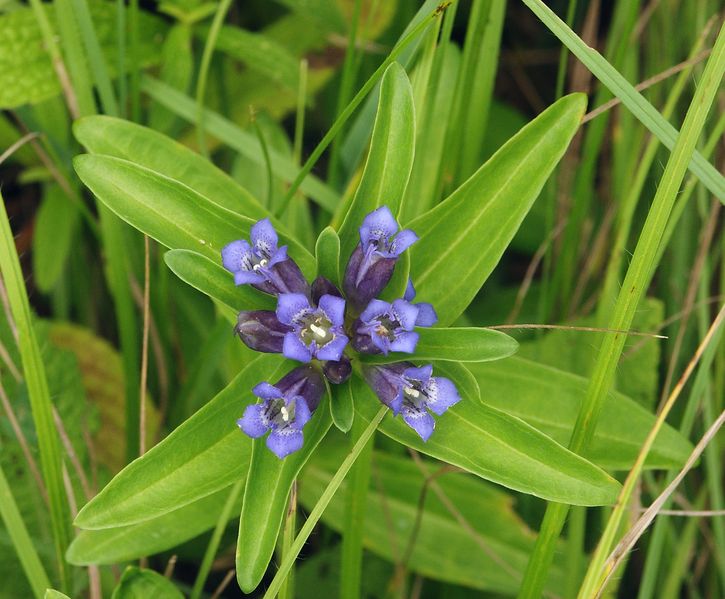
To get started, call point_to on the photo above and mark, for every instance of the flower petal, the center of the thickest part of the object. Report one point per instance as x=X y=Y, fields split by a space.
x=294 y=349
x=290 y=306
x=420 y=421
x=248 y=277
x=285 y=441
x=253 y=423
x=409 y=295
x=421 y=374
x=442 y=394
x=405 y=313
x=379 y=224
x=374 y=308
x=405 y=342
x=234 y=254
x=334 y=308
x=302 y=412
x=333 y=350
x=402 y=242
x=264 y=237
x=427 y=316
x=266 y=391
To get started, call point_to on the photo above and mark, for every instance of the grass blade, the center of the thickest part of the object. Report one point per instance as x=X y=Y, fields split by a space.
x=37 y=384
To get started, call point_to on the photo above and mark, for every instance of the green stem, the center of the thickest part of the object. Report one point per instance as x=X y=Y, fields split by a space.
x=322 y=504
x=37 y=385
x=633 y=289
x=20 y=538
x=349 y=109
x=348 y=78
x=216 y=538
x=354 y=522
x=216 y=25
x=287 y=591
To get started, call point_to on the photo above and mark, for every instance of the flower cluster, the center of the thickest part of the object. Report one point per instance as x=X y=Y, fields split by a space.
x=325 y=328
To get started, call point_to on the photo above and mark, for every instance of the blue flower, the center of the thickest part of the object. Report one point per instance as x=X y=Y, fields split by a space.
x=315 y=332
x=284 y=411
x=384 y=327
x=412 y=391
x=262 y=263
x=372 y=263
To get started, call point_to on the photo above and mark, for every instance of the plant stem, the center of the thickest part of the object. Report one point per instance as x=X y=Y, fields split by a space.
x=216 y=537
x=216 y=25
x=633 y=288
x=320 y=506
x=354 y=522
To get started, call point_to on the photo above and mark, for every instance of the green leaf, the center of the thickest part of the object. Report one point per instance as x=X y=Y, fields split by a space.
x=463 y=238
x=327 y=251
x=390 y=159
x=147 y=148
x=170 y=212
x=392 y=508
x=549 y=400
x=460 y=344
x=213 y=280
x=203 y=455
x=342 y=408
x=238 y=139
x=26 y=71
x=259 y=52
x=266 y=499
x=500 y=448
x=138 y=583
x=125 y=543
x=55 y=227
x=53 y=594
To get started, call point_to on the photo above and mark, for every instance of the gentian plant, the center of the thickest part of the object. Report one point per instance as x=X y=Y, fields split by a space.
x=317 y=329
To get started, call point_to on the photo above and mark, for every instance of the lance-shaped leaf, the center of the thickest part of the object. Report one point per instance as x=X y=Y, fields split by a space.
x=489 y=553
x=119 y=138
x=390 y=159
x=126 y=543
x=327 y=252
x=266 y=499
x=342 y=408
x=464 y=344
x=500 y=448
x=210 y=278
x=203 y=455
x=170 y=212
x=463 y=238
x=549 y=399
x=137 y=583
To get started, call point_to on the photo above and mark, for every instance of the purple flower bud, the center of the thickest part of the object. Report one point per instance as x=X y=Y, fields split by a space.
x=285 y=409
x=322 y=286
x=262 y=264
x=261 y=330
x=338 y=372
x=384 y=327
x=315 y=332
x=413 y=391
x=372 y=262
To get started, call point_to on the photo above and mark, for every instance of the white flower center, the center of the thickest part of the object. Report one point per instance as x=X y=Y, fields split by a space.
x=317 y=329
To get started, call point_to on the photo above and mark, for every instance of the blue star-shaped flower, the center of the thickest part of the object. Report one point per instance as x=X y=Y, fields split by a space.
x=262 y=263
x=385 y=327
x=315 y=332
x=413 y=391
x=283 y=414
x=372 y=263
